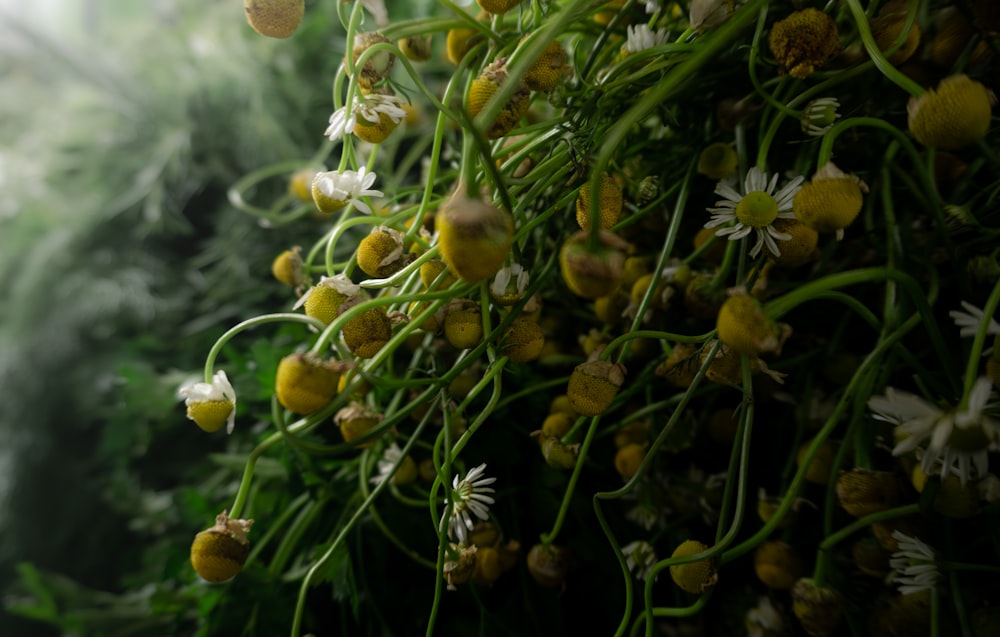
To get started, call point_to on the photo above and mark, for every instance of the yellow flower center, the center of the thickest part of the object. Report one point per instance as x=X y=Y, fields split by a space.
x=757 y=209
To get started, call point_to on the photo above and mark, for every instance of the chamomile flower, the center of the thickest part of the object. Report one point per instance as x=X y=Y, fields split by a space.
x=764 y=619
x=915 y=570
x=970 y=319
x=369 y=107
x=819 y=116
x=333 y=190
x=955 y=441
x=210 y=405
x=652 y=6
x=754 y=208
x=640 y=557
x=641 y=37
x=509 y=283
x=470 y=498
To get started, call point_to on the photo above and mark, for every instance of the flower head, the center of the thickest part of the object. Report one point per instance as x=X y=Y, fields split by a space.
x=957 y=441
x=509 y=284
x=802 y=42
x=333 y=190
x=210 y=405
x=754 y=209
x=970 y=320
x=955 y=115
x=819 y=116
x=915 y=570
x=470 y=496
x=371 y=108
x=641 y=37
x=640 y=557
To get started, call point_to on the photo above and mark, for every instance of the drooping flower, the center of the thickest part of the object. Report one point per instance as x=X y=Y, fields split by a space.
x=970 y=320
x=754 y=209
x=640 y=557
x=509 y=284
x=333 y=190
x=470 y=497
x=819 y=116
x=915 y=570
x=371 y=108
x=210 y=405
x=956 y=441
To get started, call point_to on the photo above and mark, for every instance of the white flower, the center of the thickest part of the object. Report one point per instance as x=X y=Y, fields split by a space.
x=652 y=6
x=378 y=11
x=502 y=279
x=641 y=37
x=389 y=458
x=970 y=320
x=206 y=403
x=367 y=106
x=754 y=209
x=640 y=557
x=819 y=116
x=764 y=619
x=345 y=187
x=469 y=494
x=913 y=563
x=957 y=442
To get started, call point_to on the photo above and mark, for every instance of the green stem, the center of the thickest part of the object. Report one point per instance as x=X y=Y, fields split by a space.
x=284 y=317
x=881 y=63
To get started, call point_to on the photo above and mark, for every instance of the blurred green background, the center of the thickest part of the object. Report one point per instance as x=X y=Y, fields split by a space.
x=122 y=124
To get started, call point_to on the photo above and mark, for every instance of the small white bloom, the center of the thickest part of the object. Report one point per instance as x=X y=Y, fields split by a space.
x=470 y=497
x=389 y=458
x=219 y=390
x=378 y=11
x=913 y=563
x=346 y=187
x=754 y=209
x=505 y=275
x=970 y=320
x=956 y=441
x=764 y=619
x=343 y=121
x=652 y=6
x=819 y=116
x=641 y=37
x=640 y=557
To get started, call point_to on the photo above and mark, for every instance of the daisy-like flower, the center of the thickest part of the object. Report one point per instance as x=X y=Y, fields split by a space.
x=334 y=190
x=640 y=557
x=957 y=441
x=970 y=320
x=641 y=37
x=510 y=281
x=210 y=405
x=764 y=619
x=913 y=563
x=652 y=6
x=470 y=499
x=820 y=115
x=754 y=209
x=369 y=107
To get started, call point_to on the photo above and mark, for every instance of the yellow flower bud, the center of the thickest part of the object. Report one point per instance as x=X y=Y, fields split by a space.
x=219 y=552
x=300 y=184
x=635 y=432
x=817 y=608
x=777 y=564
x=305 y=383
x=416 y=47
x=681 y=366
x=356 y=421
x=609 y=201
x=802 y=42
x=487 y=570
x=557 y=425
x=463 y=324
x=693 y=577
x=375 y=132
x=800 y=248
x=593 y=386
x=498 y=6
x=474 y=237
x=819 y=469
x=743 y=326
x=561 y=405
x=332 y=295
x=628 y=459
x=608 y=12
x=287 y=267
x=485 y=86
x=558 y=455
x=549 y=564
x=717 y=161
x=955 y=115
x=608 y=309
x=523 y=341
x=430 y=270
x=548 y=70
x=862 y=491
x=459 y=42
x=432 y=323
x=368 y=332
x=274 y=18
x=831 y=201
x=592 y=274
x=380 y=254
